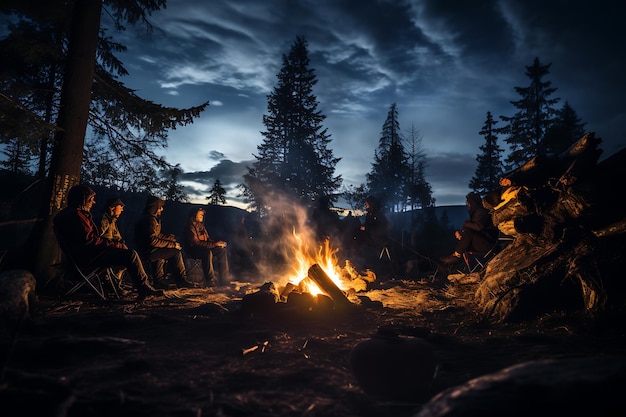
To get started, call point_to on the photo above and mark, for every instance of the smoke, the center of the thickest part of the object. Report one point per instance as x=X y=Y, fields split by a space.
x=287 y=235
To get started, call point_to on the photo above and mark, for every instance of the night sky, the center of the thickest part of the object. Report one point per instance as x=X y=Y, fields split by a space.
x=444 y=63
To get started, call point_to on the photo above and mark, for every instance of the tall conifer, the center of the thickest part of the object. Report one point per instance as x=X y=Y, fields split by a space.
x=388 y=178
x=294 y=158
x=490 y=168
x=525 y=131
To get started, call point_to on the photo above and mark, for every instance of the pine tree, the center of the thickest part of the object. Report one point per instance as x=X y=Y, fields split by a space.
x=419 y=191
x=525 y=131
x=566 y=130
x=170 y=184
x=294 y=157
x=388 y=178
x=133 y=128
x=18 y=157
x=31 y=69
x=81 y=20
x=490 y=167
x=217 y=193
x=355 y=196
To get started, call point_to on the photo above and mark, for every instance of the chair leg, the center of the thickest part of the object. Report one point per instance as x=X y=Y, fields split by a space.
x=110 y=274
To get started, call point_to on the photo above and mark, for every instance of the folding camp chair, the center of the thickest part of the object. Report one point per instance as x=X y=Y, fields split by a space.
x=92 y=276
x=476 y=262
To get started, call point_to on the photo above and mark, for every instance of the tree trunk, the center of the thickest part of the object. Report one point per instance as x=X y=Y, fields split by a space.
x=69 y=140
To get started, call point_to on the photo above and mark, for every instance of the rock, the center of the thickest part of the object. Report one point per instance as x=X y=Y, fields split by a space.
x=569 y=387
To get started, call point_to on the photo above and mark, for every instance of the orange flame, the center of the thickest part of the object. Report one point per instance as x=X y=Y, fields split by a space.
x=305 y=256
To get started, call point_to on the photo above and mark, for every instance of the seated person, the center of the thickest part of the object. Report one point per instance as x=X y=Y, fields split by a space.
x=81 y=237
x=199 y=245
x=111 y=233
x=157 y=247
x=478 y=233
x=108 y=224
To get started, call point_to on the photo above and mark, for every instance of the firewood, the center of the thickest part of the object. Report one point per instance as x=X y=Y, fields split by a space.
x=327 y=285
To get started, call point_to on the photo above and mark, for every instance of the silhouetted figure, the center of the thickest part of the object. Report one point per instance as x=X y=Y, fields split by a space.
x=375 y=229
x=373 y=238
x=350 y=230
x=478 y=233
x=326 y=222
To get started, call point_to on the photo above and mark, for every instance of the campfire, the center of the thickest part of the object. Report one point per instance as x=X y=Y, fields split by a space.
x=325 y=261
x=314 y=278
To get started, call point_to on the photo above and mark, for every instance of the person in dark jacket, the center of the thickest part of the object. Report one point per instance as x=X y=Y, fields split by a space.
x=375 y=229
x=80 y=236
x=478 y=233
x=159 y=248
x=199 y=245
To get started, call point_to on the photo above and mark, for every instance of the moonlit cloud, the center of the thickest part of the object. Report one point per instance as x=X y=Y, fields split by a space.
x=444 y=64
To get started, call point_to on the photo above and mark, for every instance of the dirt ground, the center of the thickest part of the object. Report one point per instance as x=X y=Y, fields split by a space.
x=183 y=354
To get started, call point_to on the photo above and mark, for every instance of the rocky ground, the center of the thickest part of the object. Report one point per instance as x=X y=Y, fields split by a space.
x=195 y=352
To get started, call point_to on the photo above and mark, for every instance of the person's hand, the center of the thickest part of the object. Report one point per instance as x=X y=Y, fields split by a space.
x=457 y=234
x=177 y=246
x=221 y=244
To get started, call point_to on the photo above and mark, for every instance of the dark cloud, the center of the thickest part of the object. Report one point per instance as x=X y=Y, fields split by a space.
x=198 y=184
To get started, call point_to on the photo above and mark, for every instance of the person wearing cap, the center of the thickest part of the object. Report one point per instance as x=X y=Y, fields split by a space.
x=199 y=245
x=81 y=238
x=478 y=233
x=159 y=248
x=108 y=224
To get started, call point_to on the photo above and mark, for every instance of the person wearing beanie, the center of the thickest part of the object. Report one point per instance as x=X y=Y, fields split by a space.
x=108 y=224
x=478 y=233
x=159 y=248
x=81 y=237
x=199 y=245
x=110 y=232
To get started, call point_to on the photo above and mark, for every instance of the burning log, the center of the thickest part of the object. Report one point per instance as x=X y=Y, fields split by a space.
x=327 y=285
x=286 y=291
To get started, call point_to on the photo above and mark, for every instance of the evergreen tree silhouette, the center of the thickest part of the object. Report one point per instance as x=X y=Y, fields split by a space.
x=525 y=131
x=490 y=167
x=390 y=170
x=294 y=158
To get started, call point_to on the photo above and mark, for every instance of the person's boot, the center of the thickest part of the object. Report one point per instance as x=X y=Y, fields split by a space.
x=184 y=282
x=146 y=290
x=161 y=284
x=209 y=280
